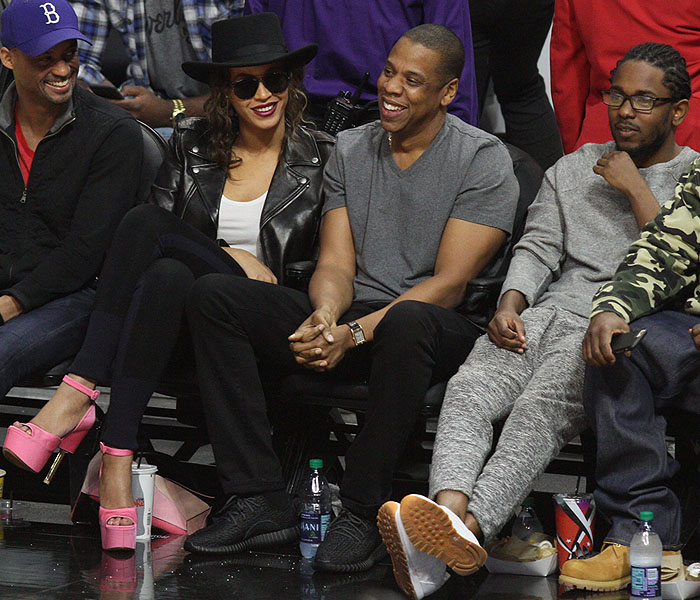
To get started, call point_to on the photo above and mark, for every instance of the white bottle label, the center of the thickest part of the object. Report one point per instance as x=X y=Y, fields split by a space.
x=313 y=527
x=646 y=582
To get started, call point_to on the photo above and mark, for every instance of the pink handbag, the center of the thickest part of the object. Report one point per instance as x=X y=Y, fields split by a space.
x=175 y=508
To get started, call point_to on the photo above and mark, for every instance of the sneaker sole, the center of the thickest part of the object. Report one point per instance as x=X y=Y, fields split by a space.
x=431 y=531
x=378 y=553
x=594 y=586
x=386 y=521
x=263 y=540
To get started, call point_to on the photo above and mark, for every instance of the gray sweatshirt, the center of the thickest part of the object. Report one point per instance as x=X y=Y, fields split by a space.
x=579 y=228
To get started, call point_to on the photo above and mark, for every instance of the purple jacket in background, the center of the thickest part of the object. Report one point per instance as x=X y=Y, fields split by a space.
x=355 y=36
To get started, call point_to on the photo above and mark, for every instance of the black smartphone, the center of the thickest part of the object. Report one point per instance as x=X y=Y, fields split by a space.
x=625 y=342
x=107 y=91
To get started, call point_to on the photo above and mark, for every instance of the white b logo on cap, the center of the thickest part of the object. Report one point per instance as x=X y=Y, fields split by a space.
x=50 y=12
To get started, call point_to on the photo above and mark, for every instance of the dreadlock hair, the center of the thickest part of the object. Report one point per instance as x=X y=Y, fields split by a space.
x=223 y=120
x=666 y=58
x=441 y=40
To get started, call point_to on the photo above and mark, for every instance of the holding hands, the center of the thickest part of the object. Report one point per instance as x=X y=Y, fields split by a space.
x=318 y=343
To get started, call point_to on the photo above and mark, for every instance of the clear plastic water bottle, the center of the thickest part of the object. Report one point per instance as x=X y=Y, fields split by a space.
x=315 y=509
x=645 y=560
x=527 y=522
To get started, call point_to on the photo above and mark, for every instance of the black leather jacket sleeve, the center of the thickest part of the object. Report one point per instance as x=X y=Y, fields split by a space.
x=191 y=185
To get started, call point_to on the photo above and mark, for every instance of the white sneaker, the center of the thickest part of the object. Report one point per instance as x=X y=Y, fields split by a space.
x=436 y=530
x=416 y=573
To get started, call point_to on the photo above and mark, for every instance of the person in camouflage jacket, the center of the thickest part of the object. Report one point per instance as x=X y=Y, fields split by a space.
x=662 y=267
x=656 y=288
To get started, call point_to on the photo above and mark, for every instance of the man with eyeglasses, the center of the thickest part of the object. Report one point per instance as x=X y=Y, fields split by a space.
x=655 y=288
x=529 y=369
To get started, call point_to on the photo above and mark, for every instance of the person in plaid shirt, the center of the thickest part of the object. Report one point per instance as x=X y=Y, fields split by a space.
x=158 y=33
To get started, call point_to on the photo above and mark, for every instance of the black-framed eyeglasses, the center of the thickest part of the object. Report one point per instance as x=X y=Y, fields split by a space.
x=247 y=87
x=639 y=103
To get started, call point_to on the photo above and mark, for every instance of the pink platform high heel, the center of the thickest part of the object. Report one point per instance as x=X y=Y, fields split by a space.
x=31 y=451
x=117 y=537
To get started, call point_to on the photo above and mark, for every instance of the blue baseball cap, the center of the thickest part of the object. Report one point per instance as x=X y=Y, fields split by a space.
x=35 y=26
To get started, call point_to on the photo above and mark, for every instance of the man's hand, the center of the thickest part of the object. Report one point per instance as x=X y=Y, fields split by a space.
x=618 y=169
x=507 y=330
x=318 y=323
x=695 y=335
x=596 y=343
x=321 y=355
x=254 y=269
x=9 y=307
x=146 y=106
x=311 y=342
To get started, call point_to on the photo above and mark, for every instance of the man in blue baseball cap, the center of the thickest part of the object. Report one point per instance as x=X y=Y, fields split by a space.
x=67 y=160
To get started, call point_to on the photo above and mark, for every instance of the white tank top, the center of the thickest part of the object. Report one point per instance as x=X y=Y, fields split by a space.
x=239 y=223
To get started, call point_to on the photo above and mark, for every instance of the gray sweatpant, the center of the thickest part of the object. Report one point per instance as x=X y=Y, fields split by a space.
x=540 y=393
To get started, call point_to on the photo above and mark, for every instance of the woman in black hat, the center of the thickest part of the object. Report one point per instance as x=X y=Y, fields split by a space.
x=249 y=174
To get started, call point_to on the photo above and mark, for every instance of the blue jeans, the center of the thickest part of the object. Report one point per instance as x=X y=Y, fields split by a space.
x=622 y=402
x=43 y=337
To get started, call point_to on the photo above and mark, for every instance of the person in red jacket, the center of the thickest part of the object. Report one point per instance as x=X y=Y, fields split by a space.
x=588 y=37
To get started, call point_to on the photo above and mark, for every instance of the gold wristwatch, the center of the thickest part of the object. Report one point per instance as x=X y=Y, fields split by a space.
x=358 y=334
x=179 y=111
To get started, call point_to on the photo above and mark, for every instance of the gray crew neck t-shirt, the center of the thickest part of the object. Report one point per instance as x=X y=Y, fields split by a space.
x=167 y=47
x=398 y=217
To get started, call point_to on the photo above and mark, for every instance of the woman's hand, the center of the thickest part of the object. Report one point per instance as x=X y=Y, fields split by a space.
x=253 y=268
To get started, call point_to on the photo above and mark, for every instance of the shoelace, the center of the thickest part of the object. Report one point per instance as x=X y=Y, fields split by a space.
x=241 y=508
x=351 y=526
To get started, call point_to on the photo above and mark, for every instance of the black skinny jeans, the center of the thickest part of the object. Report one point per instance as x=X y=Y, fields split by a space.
x=239 y=329
x=154 y=259
x=508 y=36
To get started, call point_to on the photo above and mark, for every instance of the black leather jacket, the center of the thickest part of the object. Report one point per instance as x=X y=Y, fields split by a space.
x=191 y=185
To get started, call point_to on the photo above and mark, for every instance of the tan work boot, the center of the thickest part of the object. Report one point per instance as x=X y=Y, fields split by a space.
x=607 y=571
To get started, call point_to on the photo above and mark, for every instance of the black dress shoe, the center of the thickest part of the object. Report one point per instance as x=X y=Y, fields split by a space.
x=352 y=544
x=245 y=524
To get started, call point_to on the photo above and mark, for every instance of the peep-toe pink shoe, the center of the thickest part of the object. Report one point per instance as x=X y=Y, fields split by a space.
x=31 y=451
x=117 y=537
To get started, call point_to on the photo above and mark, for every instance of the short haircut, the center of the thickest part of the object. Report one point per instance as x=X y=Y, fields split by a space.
x=441 y=40
x=666 y=58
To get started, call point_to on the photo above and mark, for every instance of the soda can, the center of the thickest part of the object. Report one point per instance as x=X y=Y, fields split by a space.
x=574 y=516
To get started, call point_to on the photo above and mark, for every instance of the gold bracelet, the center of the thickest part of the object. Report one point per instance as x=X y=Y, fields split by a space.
x=178 y=110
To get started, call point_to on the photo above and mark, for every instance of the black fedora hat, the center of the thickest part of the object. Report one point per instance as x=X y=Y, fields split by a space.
x=246 y=42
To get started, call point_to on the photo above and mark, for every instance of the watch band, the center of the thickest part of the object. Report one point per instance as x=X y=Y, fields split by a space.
x=358 y=334
x=179 y=110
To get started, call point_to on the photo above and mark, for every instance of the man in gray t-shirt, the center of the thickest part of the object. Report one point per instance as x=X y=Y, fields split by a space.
x=416 y=205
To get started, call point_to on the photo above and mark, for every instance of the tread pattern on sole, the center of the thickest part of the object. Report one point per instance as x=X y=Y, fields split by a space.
x=377 y=554
x=386 y=521
x=594 y=586
x=431 y=531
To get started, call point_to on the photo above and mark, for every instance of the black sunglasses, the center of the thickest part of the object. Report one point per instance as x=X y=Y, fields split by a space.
x=247 y=87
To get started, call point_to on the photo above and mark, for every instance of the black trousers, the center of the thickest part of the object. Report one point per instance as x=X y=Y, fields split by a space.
x=239 y=329
x=153 y=261
x=508 y=36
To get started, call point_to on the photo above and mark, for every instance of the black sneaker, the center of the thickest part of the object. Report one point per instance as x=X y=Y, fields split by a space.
x=351 y=544
x=245 y=524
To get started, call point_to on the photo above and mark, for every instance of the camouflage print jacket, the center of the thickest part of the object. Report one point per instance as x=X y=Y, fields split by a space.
x=660 y=270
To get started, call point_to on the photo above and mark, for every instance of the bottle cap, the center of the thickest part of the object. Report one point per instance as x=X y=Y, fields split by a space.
x=646 y=515
x=316 y=463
